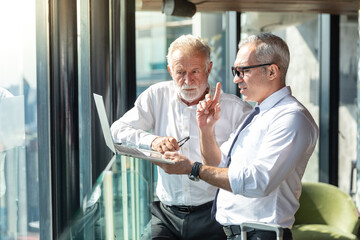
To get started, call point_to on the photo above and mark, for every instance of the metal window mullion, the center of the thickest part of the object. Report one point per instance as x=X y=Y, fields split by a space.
x=134 y=198
x=84 y=91
x=329 y=98
x=124 y=196
x=231 y=48
x=43 y=118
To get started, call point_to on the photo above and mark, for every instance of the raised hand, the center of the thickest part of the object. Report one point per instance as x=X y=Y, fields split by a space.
x=163 y=144
x=208 y=110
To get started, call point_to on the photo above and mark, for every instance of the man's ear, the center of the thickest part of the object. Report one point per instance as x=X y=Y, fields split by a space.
x=169 y=69
x=273 y=72
x=209 y=68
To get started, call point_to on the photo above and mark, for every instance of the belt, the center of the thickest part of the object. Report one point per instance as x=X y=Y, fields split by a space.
x=233 y=230
x=190 y=209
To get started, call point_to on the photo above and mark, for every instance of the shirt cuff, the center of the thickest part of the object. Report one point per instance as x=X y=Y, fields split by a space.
x=147 y=140
x=236 y=180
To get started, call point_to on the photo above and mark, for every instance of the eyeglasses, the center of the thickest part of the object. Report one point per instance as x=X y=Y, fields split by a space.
x=182 y=141
x=239 y=71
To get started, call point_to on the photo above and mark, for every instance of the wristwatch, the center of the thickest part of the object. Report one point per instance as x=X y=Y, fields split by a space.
x=194 y=174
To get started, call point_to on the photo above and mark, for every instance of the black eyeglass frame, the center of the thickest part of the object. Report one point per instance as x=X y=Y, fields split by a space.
x=235 y=71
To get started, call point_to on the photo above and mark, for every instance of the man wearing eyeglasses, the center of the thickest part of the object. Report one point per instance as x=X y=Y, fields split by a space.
x=164 y=119
x=259 y=169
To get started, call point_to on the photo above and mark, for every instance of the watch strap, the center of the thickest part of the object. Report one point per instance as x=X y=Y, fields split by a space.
x=195 y=170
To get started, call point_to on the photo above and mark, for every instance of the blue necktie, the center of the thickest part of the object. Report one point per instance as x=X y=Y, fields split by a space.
x=228 y=158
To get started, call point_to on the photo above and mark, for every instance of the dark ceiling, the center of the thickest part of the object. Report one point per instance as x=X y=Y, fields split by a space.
x=348 y=7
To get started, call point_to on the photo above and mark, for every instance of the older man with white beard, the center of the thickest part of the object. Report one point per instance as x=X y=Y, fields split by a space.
x=165 y=113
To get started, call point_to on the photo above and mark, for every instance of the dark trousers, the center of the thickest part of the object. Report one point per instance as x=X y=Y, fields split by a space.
x=181 y=222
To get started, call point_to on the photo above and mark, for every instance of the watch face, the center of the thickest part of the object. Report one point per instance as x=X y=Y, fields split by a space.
x=192 y=177
x=194 y=174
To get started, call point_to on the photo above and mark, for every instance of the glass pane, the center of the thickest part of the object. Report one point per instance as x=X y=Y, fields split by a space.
x=348 y=100
x=118 y=206
x=154 y=33
x=300 y=31
x=19 y=192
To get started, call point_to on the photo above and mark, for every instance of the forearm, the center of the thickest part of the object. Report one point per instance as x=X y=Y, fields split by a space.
x=210 y=151
x=217 y=177
x=134 y=135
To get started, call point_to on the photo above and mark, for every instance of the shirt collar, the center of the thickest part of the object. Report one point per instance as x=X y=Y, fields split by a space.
x=274 y=98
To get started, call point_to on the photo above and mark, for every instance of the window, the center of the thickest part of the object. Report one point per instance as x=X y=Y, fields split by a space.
x=19 y=183
x=348 y=100
x=155 y=32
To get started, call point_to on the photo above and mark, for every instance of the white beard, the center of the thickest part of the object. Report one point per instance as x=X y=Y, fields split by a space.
x=193 y=95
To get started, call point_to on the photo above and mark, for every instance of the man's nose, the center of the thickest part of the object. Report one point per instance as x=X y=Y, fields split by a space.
x=237 y=79
x=187 y=79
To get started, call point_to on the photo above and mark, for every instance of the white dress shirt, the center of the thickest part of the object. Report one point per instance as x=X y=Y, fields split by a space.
x=159 y=112
x=267 y=163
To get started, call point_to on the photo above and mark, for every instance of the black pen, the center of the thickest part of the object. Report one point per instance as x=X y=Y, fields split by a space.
x=182 y=141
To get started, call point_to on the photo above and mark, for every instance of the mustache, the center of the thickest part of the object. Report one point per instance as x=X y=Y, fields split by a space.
x=186 y=87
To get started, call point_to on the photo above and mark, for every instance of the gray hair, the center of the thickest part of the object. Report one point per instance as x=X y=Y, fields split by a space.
x=270 y=49
x=189 y=43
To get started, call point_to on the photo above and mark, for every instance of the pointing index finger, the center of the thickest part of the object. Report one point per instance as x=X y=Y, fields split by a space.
x=217 y=93
x=216 y=96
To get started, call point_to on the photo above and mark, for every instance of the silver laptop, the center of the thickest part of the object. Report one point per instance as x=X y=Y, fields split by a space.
x=122 y=149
